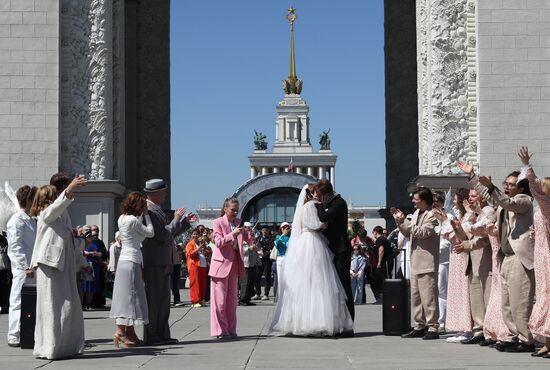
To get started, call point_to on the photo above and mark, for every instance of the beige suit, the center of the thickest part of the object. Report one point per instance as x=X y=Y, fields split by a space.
x=514 y=219
x=424 y=247
x=479 y=272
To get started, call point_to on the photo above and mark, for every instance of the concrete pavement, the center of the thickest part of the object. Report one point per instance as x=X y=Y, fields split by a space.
x=369 y=349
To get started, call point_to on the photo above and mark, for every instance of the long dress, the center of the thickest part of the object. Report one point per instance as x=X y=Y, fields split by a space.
x=59 y=330
x=494 y=326
x=539 y=322
x=459 y=316
x=312 y=301
x=129 y=304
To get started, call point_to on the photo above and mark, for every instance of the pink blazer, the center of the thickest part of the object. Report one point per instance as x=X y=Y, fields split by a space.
x=224 y=254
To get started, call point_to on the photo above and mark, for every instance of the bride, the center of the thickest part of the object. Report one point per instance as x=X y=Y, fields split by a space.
x=311 y=299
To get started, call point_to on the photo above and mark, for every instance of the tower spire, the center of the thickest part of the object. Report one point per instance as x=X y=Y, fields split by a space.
x=292 y=85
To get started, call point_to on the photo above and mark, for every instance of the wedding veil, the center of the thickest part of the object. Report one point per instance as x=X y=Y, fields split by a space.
x=296 y=230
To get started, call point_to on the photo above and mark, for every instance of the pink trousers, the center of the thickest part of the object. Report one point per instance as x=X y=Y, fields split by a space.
x=223 y=304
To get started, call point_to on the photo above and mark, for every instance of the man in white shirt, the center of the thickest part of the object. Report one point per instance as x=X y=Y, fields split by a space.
x=21 y=236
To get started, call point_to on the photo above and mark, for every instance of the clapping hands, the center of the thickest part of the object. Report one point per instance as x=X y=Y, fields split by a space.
x=398 y=215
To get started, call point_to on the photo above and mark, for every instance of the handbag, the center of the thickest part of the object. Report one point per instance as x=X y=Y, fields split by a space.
x=4 y=259
x=273 y=254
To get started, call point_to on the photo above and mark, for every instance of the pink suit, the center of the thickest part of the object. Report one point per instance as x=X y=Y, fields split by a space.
x=225 y=269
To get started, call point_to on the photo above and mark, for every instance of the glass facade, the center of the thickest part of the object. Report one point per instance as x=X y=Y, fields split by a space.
x=273 y=207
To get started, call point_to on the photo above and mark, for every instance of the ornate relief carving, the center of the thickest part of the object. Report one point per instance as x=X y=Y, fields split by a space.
x=444 y=72
x=118 y=87
x=86 y=126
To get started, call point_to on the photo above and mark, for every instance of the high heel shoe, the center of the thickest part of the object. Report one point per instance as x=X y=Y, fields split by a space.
x=116 y=338
x=127 y=342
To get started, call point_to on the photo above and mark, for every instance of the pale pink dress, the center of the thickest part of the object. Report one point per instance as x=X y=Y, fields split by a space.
x=459 y=316
x=493 y=326
x=539 y=323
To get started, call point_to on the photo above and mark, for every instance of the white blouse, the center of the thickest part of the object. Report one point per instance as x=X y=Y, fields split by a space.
x=131 y=233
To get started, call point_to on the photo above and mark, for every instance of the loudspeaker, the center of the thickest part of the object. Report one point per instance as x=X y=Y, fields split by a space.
x=396 y=308
x=28 y=316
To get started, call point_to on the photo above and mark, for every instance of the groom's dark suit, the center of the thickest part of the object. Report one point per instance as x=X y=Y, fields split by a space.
x=335 y=214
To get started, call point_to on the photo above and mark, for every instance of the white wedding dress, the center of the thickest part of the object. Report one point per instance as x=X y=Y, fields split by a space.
x=311 y=299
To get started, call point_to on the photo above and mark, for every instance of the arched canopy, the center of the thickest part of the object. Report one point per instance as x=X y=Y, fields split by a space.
x=271 y=199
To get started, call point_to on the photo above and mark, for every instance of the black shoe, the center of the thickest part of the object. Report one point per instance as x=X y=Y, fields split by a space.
x=487 y=343
x=246 y=304
x=414 y=334
x=170 y=341
x=431 y=335
x=473 y=340
x=540 y=354
x=521 y=347
x=501 y=347
x=346 y=334
x=546 y=355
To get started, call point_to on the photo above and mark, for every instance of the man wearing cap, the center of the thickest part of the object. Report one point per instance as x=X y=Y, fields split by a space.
x=157 y=261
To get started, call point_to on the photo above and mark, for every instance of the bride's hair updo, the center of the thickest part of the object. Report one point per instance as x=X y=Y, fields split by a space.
x=309 y=193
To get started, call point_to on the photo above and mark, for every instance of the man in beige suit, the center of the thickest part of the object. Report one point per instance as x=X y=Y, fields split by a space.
x=424 y=246
x=514 y=219
x=479 y=265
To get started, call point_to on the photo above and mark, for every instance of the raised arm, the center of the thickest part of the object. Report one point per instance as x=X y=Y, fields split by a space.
x=146 y=231
x=535 y=187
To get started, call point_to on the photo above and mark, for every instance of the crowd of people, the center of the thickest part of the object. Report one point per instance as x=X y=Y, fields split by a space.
x=480 y=260
x=476 y=258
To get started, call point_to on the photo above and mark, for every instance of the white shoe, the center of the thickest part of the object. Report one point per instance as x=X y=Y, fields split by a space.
x=256 y=297
x=456 y=339
x=197 y=305
x=265 y=298
x=14 y=342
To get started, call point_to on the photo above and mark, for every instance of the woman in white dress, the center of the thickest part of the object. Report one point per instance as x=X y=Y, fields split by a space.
x=59 y=330
x=311 y=301
x=129 y=306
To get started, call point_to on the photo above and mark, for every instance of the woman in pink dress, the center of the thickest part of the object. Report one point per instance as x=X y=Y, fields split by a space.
x=494 y=328
x=539 y=323
x=459 y=317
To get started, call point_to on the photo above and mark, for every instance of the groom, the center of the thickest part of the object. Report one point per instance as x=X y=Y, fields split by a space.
x=333 y=210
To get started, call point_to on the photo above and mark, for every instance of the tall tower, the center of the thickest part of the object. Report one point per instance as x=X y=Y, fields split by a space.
x=292 y=150
x=292 y=125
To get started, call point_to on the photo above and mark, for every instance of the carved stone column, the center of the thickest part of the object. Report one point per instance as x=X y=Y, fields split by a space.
x=447 y=121
x=86 y=131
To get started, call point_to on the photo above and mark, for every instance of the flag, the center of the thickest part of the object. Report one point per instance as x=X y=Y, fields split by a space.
x=290 y=165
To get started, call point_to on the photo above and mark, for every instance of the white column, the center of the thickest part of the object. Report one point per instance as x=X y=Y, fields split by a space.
x=298 y=169
x=332 y=177
x=310 y=171
x=253 y=172
x=321 y=172
x=275 y=169
x=264 y=170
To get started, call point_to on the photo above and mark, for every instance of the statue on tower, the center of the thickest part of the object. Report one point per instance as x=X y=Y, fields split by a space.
x=260 y=141
x=292 y=85
x=324 y=140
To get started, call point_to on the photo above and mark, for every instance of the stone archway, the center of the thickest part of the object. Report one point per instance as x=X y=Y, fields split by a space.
x=257 y=186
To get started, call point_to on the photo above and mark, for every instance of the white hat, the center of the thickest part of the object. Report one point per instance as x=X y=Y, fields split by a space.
x=247 y=224
x=285 y=224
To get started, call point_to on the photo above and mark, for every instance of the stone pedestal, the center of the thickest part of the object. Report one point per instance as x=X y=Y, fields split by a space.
x=98 y=203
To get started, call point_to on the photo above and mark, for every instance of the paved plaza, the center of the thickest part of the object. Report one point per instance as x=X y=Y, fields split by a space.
x=369 y=349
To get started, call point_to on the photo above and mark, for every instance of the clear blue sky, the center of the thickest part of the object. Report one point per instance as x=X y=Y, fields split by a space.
x=227 y=62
